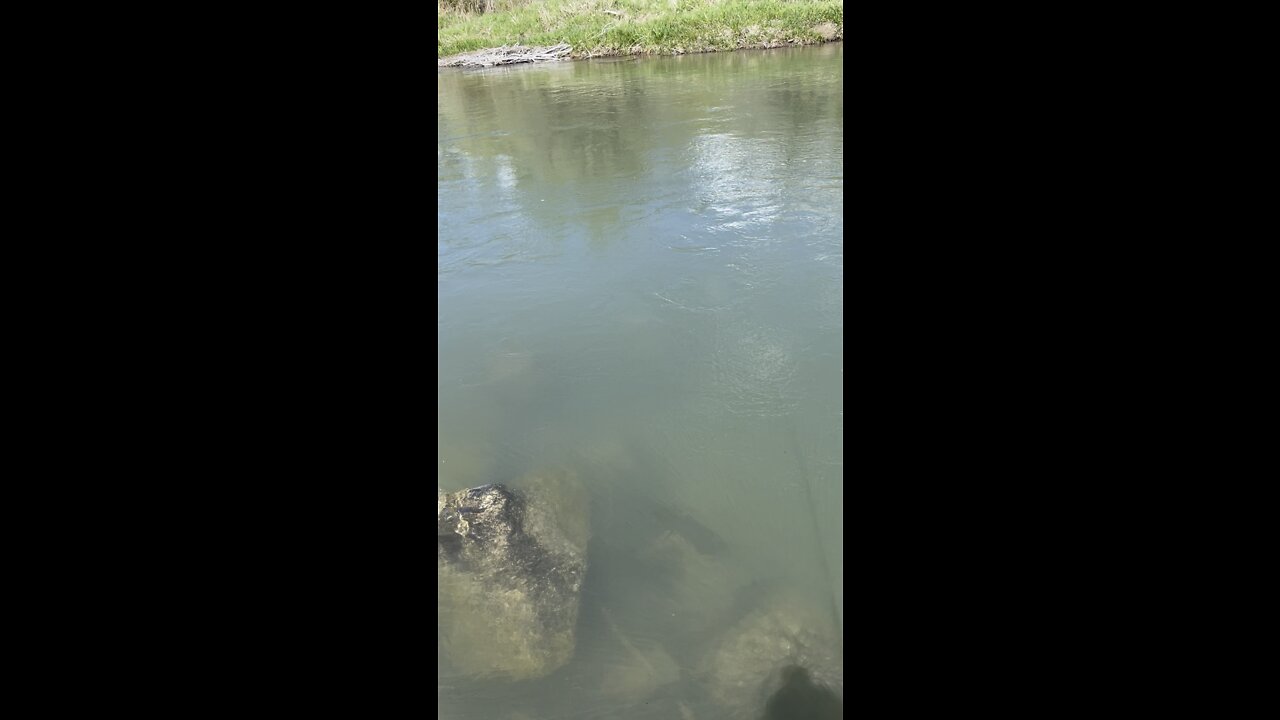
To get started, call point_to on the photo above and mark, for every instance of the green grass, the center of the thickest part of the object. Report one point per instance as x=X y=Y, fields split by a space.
x=636 y=26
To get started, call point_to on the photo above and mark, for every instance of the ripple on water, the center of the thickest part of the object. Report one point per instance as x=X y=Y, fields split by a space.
x=753 y=369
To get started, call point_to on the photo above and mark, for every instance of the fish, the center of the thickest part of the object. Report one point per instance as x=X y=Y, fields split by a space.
x=703 y=539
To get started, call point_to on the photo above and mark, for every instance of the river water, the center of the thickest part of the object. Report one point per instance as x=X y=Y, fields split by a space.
x=640 y=275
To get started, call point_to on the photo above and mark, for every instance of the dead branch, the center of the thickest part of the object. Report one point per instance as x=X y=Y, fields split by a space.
x=507 y=55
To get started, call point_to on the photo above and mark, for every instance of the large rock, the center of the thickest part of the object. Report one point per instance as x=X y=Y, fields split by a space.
x=510 y=564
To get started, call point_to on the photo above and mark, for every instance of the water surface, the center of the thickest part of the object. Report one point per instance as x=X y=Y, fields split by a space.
x=640 y=280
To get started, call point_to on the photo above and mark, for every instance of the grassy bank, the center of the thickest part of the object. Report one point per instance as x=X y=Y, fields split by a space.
x=628 y=27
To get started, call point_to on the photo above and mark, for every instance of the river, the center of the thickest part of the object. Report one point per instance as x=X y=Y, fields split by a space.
x=640 y=280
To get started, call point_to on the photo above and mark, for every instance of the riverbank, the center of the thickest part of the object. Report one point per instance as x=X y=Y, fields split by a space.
x=602 y=28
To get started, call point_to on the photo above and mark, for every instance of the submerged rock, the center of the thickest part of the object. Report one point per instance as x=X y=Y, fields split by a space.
x=510 y=564
x=800 y=698
x=785 y=654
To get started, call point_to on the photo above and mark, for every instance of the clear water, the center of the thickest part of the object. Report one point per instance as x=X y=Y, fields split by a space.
x=640 y=281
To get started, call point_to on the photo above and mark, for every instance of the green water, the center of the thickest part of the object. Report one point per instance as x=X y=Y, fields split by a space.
x=640 y=281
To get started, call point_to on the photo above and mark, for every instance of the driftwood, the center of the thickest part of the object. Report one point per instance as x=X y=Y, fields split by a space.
x=506 y=55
